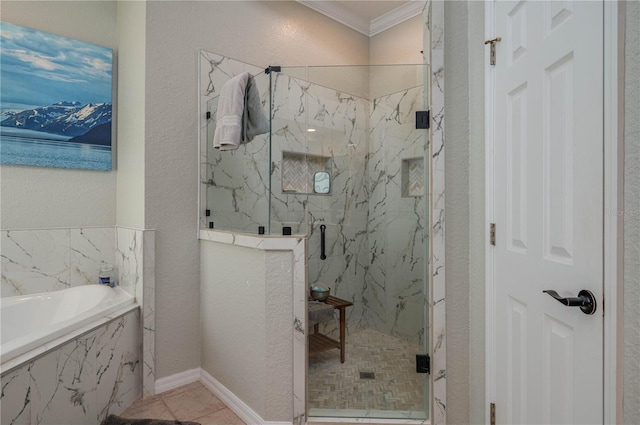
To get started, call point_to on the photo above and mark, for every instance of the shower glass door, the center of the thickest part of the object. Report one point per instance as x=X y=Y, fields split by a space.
x=346 y=155
x=234 y=184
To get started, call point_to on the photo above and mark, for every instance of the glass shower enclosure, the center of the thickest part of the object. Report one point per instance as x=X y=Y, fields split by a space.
x=343 y=155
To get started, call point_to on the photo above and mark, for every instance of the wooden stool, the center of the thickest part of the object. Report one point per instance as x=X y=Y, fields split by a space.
x=319 y=342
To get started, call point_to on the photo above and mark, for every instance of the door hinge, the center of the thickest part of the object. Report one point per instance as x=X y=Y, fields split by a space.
x=422 y=119
x=492 y=413
x=492 y=234
x=423 y=363
x=492 y=49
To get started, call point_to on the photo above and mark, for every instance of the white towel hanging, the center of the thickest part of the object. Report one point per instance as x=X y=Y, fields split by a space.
x=240 y=117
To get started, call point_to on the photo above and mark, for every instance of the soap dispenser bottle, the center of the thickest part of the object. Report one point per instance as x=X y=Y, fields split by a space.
x=106 y=275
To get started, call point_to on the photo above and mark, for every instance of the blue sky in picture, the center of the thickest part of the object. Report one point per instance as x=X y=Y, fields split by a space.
x=38 y=69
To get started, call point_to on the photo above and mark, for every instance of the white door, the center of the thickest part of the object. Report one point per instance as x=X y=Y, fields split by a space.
x=548 y=211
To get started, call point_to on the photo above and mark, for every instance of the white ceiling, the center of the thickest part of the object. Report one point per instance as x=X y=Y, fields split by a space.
x=368 y=17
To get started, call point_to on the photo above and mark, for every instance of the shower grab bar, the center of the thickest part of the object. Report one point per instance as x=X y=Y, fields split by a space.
x=322 y=241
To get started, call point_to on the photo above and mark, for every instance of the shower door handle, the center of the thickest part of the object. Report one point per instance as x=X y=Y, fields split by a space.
x=322 y=241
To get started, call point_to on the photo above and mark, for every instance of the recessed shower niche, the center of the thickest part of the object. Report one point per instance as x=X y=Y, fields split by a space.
x=357 y=125
x=306 y=174
x=413 y=177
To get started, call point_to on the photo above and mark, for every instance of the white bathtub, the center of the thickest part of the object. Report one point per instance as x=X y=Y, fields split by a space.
x=30 y=321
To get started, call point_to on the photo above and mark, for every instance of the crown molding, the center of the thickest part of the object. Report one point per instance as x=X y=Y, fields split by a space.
x=396 y=16
x=338 y=13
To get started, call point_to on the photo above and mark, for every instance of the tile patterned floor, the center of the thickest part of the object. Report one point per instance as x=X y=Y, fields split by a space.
x=192 y=402
x=396 y=387
x=332 y=385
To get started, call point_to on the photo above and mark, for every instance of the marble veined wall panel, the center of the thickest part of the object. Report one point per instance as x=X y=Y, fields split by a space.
x=63 y=384
x=90 y=248
x=434 y=23
x=129 y=259
x=118 y=364
x=289 y=134
x=135 y=261
x=45 y=260
x=376 y=238
x=80 y=382
x=234 y=185
x=340 y=133
x=397 y=226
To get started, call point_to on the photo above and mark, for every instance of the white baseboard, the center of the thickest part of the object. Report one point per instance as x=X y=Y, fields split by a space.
x=239 y=407
x=179 y=379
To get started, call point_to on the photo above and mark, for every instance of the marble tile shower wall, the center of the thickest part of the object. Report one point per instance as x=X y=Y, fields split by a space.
x=434 y=28
x=235 y=184
x=341 y=123
x=397 y=226
x=375 y=238
x=80 y=382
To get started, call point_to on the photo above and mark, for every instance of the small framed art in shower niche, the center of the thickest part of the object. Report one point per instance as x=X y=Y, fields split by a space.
x=306 y=174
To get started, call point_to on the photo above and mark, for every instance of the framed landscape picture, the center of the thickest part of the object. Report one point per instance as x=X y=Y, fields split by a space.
x=55 y=100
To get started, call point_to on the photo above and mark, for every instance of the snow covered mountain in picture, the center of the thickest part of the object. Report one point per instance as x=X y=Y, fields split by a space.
x=68 y=119
x=55 y=100
x=33 y=119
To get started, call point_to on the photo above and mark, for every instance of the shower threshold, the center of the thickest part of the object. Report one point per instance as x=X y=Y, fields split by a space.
x=366 y=416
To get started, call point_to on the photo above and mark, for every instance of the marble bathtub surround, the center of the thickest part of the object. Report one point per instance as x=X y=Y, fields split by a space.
x=148 y=297
x=80 y=382
x=43 y=260
x=129 y=260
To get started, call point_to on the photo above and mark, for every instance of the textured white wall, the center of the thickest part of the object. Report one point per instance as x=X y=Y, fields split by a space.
x=401 y=44
x=36 y=197
x=246 y=307
x=464 y=26
x=477 y=230
x=263 y=33
x=233 y=319
x=632 y=217
x=457 y=209
x=278 y=397
x=131 y=113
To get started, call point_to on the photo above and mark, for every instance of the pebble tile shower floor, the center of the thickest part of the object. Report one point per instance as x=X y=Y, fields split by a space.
x=395 y=387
